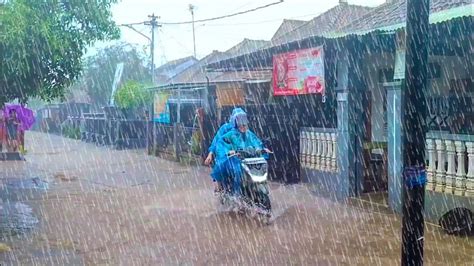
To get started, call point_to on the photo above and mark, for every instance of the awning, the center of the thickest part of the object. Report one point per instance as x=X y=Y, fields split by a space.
x=435 y=18
x=438 y=17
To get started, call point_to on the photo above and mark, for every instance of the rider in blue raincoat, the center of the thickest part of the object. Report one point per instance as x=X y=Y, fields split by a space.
x=213 y=155
x=239 y=138
x=222 y=130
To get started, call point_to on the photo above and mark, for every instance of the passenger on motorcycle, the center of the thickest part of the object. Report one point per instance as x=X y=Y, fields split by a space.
x=213 y=153
x=239 y=138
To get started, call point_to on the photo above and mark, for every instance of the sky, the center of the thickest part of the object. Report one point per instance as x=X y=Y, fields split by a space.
x=176 y=41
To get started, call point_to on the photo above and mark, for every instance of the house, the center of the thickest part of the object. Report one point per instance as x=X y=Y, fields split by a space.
x=280 y=118
x=194 y=88
x=165 y=73
x=197 y=76
x=350 y=144
x=333 y=19
x=298 y=36
x=380 y=63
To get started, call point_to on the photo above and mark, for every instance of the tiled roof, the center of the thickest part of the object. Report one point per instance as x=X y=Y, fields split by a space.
x=165 y=73
x=197 y=72
x=392 y=13
x=286 y=26
x=245 y=47
x=172 y=64
x=333 y=19
x=345 y=19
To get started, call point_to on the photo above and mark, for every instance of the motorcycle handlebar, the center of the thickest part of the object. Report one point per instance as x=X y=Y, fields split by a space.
x=232 y=155
x=240 y=152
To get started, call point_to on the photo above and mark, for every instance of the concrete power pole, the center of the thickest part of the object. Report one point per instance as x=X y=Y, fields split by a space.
x=151 y=148
x=191 y=9
x=154 y=24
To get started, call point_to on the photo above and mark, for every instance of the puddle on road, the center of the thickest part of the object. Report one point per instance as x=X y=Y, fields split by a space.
x=12 y=190
x=34 y=183
x=16 y=217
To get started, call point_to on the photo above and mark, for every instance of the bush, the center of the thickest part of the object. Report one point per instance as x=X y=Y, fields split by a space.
x=71 y=132
x=196 y=143
x=132 y=95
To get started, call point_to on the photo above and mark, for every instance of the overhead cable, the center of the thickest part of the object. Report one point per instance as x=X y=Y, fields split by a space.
x=208 y=19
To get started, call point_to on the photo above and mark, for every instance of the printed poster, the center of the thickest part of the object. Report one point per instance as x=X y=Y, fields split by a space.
x=299 y=72
x=161 y=110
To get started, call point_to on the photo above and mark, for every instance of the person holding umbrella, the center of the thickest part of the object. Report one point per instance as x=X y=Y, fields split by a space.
x=23 y=120
x=12 y=126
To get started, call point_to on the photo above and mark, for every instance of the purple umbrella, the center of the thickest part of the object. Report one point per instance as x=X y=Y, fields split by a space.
x=25 y=115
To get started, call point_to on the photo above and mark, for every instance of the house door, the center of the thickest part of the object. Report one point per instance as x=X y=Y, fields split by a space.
x=375 y=145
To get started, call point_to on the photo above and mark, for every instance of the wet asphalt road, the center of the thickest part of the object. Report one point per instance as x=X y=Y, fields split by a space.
x=110 y=207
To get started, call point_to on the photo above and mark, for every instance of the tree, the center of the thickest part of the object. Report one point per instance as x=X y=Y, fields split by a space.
x=132 y=95
x=99 y=71
x=42 y=43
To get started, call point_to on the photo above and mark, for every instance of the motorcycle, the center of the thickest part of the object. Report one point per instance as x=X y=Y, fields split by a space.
x=255 y=199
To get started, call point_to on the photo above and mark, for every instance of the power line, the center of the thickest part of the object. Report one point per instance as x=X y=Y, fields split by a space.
x=258 y=22
x=242 y=6
x=162 y=48
x=170 y=36
x=133 y=24
x=208 y=19
x=135 y=30
x=224 y=16
x=153 y=22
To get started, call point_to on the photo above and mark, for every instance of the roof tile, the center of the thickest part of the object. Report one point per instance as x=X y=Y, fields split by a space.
x=394 y=13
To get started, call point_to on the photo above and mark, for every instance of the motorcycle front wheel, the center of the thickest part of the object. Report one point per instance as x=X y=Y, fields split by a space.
x=264 y=201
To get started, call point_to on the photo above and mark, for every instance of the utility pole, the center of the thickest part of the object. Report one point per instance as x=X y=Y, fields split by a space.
x=191 y=9
x=150 y=136
x=414 y=110
x=154 y=24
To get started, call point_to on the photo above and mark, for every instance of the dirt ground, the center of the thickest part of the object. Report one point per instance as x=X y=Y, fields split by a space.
x=108 y=207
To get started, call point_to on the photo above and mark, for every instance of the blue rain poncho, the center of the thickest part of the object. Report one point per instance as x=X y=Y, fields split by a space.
x=230 y=167
x=236 y=140
x=224 y=129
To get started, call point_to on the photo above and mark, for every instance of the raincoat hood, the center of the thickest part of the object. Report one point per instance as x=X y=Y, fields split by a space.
x=225 y=128
x=241 y=120
x=236 y=112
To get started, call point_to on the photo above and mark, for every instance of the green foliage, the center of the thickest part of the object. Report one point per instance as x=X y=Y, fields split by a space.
x=70 y=131
x=42 y=43
x=133 y=94
x=99 y=71
x=196 y=143
x=36 y=103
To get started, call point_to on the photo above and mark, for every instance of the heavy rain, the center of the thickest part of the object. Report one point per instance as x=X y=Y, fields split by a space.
x=269 y=132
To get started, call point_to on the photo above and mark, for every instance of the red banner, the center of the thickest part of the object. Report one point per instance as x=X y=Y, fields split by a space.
x=299 y=72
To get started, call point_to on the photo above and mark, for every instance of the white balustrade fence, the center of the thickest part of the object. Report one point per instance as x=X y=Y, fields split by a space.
x=318 y=149
x=450 y=164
